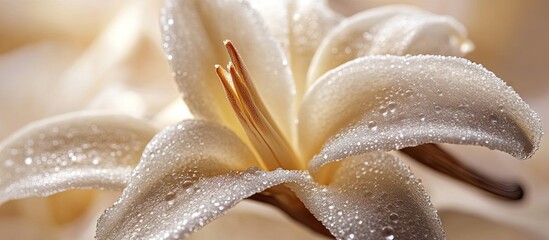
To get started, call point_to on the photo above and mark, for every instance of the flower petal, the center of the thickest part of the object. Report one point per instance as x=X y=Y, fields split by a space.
x=176 y=209
x=384 y=103
x=372 y=196
x=47 y=60
x=79 y=150
x=86 y=76
x=186 y=178
x=300 y=27
x=66 y=215
x=194 y=31
x=395 y=30
x=75 y=23
x=121 y=66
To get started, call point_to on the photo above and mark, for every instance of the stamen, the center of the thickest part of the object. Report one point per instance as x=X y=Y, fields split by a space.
x=226 y=80
x=436 y=158
x=245 y=77
x=263 y=133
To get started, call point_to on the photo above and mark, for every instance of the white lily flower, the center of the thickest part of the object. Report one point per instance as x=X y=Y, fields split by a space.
x=266 y=117
x=289 y=127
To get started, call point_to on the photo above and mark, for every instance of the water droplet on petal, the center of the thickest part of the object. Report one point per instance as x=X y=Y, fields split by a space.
x=186 y=183
x=372 y=125
x=392 y=107
x=393 y=217
x=388 y=232
x=170 y=197
x=501 y=108
x=422 y=117
x=253 y=170
x=493 y=119
x=383 y=111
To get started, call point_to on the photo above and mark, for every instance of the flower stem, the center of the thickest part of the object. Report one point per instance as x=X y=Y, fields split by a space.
x=284 y=199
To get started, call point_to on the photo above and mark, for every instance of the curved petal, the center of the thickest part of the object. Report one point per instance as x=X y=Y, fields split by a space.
x=389 y=102
x=395 y=30
x=86 y=76
x=75 y=23
x=194 y=31
x=47 y=60
x=300 y=27
x=372 y=196
x=179 y=209
x=79 y=150
x=66 y=215
x=186 y=178
x=121 y=66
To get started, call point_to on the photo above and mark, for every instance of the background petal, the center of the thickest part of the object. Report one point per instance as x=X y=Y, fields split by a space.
x=123 y=70
x=79 y=150
x=193 y=34
x=24 y=89
x=64 y=215
x=373 y=196
x=299 y=26
x=395 y=30
x=124 y=66
x=407 y=101
x=72 y=22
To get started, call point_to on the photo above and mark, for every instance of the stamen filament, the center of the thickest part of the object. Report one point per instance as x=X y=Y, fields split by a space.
x=263 y=133
x=225 y=78
x=236 y=59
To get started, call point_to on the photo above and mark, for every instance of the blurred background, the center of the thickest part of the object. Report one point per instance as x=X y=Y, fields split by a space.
x=55 y=50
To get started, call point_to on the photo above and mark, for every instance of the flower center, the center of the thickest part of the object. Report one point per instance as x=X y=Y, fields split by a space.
x=266 y=138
